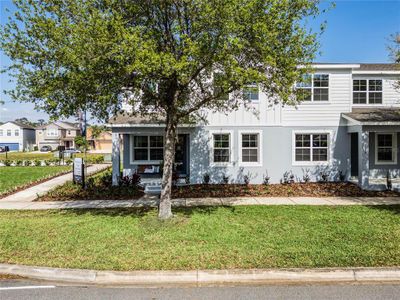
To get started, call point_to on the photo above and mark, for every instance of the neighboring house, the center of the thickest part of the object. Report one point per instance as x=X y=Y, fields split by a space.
x=101 y=143
x=56 y=134
x=349 y=124
x=17 y=136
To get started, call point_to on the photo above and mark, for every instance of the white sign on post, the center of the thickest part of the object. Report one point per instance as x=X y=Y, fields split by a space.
x=78 y=171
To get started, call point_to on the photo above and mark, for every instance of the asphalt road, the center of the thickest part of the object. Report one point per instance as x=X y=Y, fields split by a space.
x=21 y=289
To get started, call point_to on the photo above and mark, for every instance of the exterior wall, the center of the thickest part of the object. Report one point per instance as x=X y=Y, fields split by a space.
x=25 y=139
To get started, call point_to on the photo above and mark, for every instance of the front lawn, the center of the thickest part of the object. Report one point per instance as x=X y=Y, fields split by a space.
x=12 y=178
x=204 y=238
x=13 y=156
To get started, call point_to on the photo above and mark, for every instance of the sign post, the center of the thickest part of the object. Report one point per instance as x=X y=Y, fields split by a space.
x=6 y=149
x=78 y=171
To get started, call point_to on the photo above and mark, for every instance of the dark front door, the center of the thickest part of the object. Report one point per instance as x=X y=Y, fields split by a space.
x=182 y=154
x=354 y=154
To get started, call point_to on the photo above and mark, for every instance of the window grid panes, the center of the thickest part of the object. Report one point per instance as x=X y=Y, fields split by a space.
x=250 y=148
x=314 y=87
x=1 y=132
x=16 y=133
x=311 y=147
x=148 y=147
x=8 y=132
x=221 y=148
x=251 y=93
x=385 y=148
x=367 y=91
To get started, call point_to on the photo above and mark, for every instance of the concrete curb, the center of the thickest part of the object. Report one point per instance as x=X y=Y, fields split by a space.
x=204 y=277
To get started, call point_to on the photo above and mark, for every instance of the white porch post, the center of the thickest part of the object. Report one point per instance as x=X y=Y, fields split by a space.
x=116 y=160
x=363 y=159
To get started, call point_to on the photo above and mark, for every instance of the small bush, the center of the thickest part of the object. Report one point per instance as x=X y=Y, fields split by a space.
x=342 y=176
x=324 y=176
x=35 y=148
x=57 y=161
x=206 y=178
x=28 y=163
x=47 y=162
x=68 y=162
x=266 y=179
x=19 y=163
x=246 y=179
x=225 y=179
x=288 y=177
x=136 y=179
x=306 y=176
x=37 y=162
x=7 y=162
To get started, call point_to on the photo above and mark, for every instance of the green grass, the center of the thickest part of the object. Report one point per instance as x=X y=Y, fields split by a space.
x=38 y=155
x=14 y=177
x=205 y=238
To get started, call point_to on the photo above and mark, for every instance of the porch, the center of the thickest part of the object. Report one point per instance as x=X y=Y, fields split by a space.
x=374 y=150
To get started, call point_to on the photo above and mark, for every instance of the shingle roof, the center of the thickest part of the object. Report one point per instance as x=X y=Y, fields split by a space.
x=379 y=67
x=22 y=125
x=126 y=118
x=375 y=115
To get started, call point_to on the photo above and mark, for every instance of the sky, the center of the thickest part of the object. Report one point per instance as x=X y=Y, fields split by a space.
x=357 y=32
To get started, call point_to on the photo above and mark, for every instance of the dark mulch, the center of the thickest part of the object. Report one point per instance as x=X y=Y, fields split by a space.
x=314 y=189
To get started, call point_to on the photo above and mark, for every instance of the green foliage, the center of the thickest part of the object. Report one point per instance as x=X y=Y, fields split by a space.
x=71 y=55
x=37 y=162
x=7 y=162
x=68 y=162
x=19 y=163
x=81 y=143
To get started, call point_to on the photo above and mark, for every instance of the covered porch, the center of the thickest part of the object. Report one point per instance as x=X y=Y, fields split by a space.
x=374 y=150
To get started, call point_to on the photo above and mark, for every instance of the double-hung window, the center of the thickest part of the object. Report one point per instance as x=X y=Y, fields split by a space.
x=314 y=88
x=52 y=132
x=1 y=132
x=16 y=132
x=148 y=147
x=311 y=147
x=221 y=148
x=367 y=91
x=386 y=148
x=250 y=148
x=251 y=92
x=8 y=132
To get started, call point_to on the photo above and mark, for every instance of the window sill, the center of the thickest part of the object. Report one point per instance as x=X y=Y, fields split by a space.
x=385 y=163
x=310 y=163
x=221 y=165
x=247 y=164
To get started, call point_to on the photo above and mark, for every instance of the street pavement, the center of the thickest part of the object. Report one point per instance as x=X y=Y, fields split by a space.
x=23 y=289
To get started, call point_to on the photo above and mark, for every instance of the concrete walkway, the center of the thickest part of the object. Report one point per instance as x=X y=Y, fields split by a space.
x=149 y=201
x=30 y=194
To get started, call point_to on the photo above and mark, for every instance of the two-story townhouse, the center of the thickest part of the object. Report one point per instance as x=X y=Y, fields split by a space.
x=56 y=134
x=348 y=125
x=17 y=136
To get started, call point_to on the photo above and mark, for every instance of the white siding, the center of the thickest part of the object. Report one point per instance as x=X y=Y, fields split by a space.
x=324 y=113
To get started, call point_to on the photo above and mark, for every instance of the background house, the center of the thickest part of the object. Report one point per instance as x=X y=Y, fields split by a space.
x=102 y=143
x=57 y=134
x=17 y=136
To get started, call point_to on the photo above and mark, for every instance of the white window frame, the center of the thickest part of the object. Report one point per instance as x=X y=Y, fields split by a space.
x=16 y=132
x=9 y=132
x=231 y=148
x=394 y=148
x=250 y=86
x=132 y=148
x=312 y=101
x=367 y=92
x=259 y=149
x=52 y=132
x=331 y=137
x=1 y=132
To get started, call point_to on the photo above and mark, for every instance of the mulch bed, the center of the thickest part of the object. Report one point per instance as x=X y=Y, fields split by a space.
x=313 y=189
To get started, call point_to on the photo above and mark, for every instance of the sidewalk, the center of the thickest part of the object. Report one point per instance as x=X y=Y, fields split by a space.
x=30 y=194
x=204 y=277
x=191 y=202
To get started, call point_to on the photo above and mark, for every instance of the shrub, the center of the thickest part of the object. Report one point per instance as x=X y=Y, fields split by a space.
x=306 y=175
x=47 y=162
x=106 y=179
x=68 y=162
x=288 y=177
x=90 y=182
x=57 y=161
x=98 y=159
x=206 y=178
x=246 y=179
x=37 y=162
x=19 y=162
x=266 y=179
x=7 y=162
x=28 y=163
x=187 y=179
x=35 y=148
x=388 y=181
x=342 y=176
x=225 y=179
x=136 y=179
x=324 y=176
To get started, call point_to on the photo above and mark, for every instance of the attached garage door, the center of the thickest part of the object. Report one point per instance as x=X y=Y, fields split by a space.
x=11 y=146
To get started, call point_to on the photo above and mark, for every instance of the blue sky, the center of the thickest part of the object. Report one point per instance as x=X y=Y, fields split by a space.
x=357 y=31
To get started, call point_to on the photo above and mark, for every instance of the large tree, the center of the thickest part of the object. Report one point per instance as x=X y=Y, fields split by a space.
x=169 y=58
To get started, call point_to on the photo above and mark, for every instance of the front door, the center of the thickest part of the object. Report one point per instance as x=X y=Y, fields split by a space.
x=182 y=154
x=354 y=154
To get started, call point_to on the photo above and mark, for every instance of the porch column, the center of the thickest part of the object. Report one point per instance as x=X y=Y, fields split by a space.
x=116 y=158
x=363 y=159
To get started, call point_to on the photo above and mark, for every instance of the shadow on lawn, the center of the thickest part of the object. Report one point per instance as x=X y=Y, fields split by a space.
x=394 y=209
x=139 y=212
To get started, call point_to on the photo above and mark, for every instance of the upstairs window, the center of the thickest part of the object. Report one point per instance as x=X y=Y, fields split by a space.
x=1 y=132
x=313 y=87
x=311 y=147
x=221 y=149
x=367 y=91
x=8 y=132
x=16 y=133
x=148 y=147
x=385 y=148
x=218 y=87
x=250 y=92
x=52 y=132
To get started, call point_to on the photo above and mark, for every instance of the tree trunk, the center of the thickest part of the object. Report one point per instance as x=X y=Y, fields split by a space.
x=164 y=211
